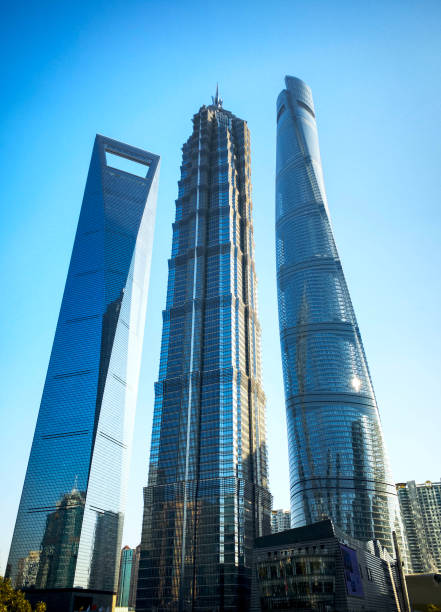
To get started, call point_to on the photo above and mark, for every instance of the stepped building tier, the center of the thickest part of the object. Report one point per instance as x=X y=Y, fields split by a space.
x=421 y=511
x=207 y=496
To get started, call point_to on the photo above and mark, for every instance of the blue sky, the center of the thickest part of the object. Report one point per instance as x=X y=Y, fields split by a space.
x=137 y=71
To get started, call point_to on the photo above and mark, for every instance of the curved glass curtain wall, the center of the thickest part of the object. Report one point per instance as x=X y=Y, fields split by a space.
x=338 y=463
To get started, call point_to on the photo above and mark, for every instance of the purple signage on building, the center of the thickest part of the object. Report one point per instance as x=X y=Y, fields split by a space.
x=354 y=585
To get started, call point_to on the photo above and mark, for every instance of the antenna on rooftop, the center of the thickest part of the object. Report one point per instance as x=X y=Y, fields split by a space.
x=216 y=100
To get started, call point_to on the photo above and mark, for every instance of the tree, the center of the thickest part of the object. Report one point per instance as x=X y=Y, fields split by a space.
x=15 y=601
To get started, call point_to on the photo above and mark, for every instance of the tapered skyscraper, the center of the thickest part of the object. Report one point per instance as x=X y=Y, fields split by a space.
x=70 y=519
x=338 y=463
x=207 y=495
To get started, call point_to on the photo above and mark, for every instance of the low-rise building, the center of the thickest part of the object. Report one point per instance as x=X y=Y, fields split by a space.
x=318 y=567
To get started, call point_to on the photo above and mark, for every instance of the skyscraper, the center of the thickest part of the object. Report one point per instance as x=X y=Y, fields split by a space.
x=421 y=511
x=207 y=495
x=338 y=463
x=125 y=575
x=72 y=504
x=134 y=577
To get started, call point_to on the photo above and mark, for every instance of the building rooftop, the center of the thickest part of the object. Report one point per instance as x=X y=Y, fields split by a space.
x=315 y=531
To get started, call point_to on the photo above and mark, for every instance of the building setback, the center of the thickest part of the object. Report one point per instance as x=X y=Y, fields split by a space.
x=207 y=496
x=338 y=463
x=421 y=511
x=67 y=536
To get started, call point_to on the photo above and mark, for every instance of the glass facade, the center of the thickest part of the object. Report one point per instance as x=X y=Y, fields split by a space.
x=297 y=580
x=338 y=463
x=319 y=567
x=125 y=575
x=207 y=495
x=69 y=523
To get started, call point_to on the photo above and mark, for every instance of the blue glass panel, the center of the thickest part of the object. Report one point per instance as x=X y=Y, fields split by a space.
x=338 y=463
x=207 y=495
x=69 y=523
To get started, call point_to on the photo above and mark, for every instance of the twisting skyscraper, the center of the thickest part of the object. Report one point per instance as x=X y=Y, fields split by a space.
x=70 y=519
x=338 y=463
x=207 y=495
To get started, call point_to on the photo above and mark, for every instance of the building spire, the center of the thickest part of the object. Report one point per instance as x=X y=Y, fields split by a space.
x=216 y=100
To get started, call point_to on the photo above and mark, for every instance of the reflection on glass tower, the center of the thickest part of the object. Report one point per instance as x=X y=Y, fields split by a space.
x=71 y=537
x=207 y=496
x=104 y=568
x=28 y=569
x=59 y=546
x=338 y=463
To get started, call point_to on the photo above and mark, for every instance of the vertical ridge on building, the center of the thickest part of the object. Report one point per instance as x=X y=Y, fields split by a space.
x=207 y=496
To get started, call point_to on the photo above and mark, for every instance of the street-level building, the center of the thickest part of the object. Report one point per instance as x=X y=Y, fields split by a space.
x=125 y=576
x=318 y=567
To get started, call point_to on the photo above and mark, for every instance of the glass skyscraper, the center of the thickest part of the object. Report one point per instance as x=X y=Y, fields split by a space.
x=125 y=576
x=69 y=523
x=338 y=463
x=207 y=496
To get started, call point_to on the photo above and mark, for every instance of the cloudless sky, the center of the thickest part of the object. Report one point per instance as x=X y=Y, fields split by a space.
x=137 y=71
